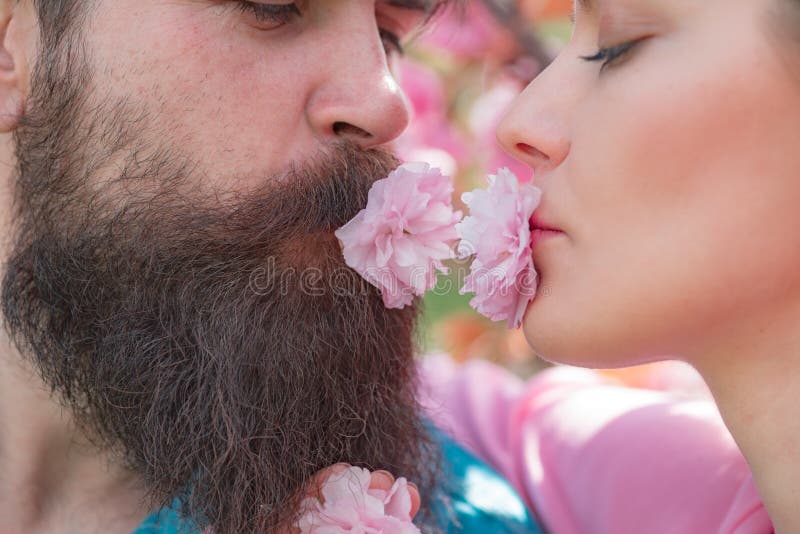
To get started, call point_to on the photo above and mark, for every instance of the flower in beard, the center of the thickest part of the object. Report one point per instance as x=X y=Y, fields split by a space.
x=497 y=233
x=398 y=242
x=350 y=505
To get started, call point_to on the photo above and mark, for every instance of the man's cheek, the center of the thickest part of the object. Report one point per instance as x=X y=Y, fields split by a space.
x=209 y=92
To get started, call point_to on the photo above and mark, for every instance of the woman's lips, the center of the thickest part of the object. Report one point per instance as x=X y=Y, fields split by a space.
x=541 y=234
x=541 y=229
x=537 y=222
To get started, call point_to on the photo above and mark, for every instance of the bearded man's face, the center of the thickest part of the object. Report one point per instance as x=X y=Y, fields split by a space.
x=181 y=168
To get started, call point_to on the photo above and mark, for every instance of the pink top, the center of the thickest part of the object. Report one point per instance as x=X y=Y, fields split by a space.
x=592 y=456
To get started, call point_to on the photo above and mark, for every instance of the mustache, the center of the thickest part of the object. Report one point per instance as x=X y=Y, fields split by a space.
x=321 y=195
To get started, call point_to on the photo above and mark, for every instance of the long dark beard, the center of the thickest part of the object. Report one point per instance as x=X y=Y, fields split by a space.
x=215 y=342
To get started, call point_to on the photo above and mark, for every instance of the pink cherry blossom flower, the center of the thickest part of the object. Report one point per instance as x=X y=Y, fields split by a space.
x=398 y=242
x=497 y=233
x=350 y=505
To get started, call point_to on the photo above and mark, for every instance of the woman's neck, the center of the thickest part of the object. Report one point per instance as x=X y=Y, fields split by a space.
x=755 y=380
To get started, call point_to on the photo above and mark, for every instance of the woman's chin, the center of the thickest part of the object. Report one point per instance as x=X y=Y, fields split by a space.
x=545 y=336
x=561 y=337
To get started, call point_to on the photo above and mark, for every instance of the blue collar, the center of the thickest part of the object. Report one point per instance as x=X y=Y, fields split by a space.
x=472 y=498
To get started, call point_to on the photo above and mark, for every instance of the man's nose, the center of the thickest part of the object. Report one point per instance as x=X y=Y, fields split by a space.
x=357 y=97
x=534 y=129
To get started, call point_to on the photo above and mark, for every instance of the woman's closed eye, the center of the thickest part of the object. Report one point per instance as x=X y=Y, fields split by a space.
x=610 y=54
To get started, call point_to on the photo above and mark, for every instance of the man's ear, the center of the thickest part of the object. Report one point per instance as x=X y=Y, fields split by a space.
x=13 y=65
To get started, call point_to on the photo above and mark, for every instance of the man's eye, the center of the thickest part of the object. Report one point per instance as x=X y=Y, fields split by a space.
x=391 y=42
x=273 y=14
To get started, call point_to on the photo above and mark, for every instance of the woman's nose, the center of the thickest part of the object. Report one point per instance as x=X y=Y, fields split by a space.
x=534 y=130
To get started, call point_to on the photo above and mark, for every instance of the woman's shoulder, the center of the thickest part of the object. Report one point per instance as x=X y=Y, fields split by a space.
x=591 y=454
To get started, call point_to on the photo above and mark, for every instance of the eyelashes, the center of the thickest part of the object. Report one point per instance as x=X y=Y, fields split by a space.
x=611 y=54
x=276 y=15
x=391 y=42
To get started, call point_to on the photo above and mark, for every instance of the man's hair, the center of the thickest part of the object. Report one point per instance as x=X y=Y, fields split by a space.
x=58 y=17
x=781 y=24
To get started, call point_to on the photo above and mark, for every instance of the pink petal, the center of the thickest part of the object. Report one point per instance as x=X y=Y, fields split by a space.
x=350 y=506
x=398 y=502
x=497 y=233
x=408 y=226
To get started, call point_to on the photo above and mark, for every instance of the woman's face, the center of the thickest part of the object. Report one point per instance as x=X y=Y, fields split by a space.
x=674 y=173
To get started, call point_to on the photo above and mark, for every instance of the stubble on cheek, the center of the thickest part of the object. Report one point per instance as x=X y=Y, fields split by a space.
x=228 y=98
